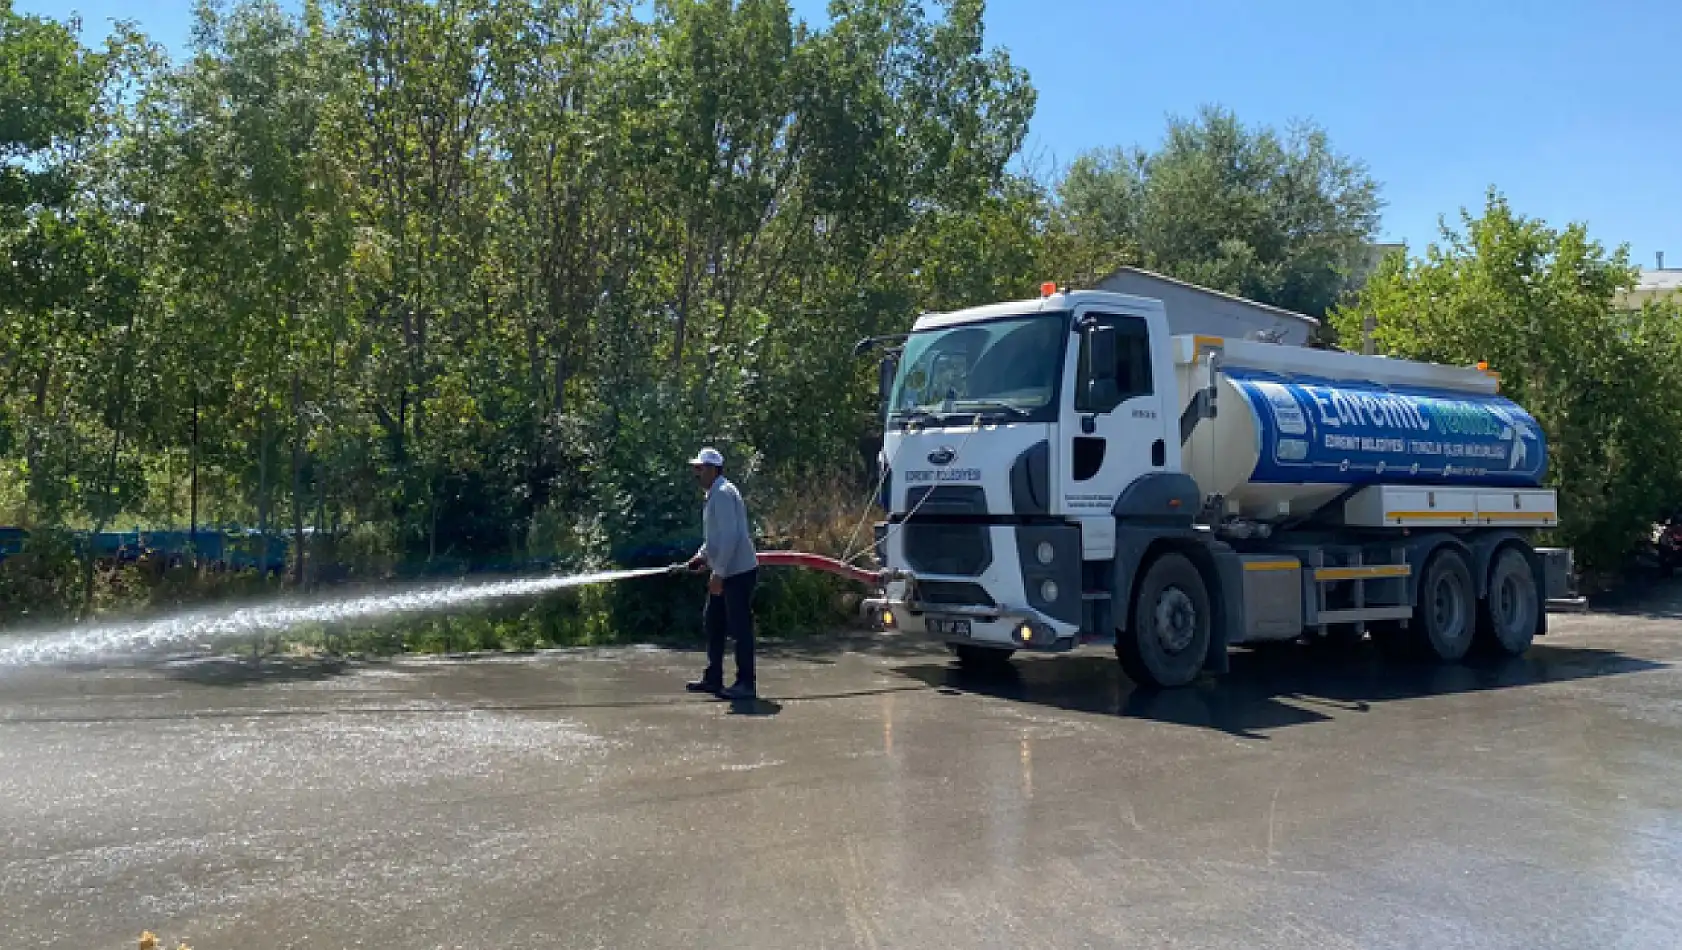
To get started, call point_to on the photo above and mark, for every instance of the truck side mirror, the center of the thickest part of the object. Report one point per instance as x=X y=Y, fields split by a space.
x=1101 y=382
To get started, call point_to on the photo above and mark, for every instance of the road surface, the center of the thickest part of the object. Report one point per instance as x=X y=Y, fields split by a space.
x=881 y=799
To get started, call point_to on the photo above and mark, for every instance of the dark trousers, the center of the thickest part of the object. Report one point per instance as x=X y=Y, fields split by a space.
x=731 y=614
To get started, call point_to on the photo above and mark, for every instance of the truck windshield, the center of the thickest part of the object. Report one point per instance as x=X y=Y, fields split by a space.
x=1002 y=367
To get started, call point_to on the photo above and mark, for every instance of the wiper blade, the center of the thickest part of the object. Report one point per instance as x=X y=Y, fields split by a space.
x=908 y=416
x=994 y=406
x=959 y=414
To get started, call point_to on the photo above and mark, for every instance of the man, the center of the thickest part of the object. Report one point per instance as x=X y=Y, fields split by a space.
x=728 y=557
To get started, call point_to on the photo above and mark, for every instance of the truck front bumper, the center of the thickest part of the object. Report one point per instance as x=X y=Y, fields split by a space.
x=994 y=585
x=1003 y=627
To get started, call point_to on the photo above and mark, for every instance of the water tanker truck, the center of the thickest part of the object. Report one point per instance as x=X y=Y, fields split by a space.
x=1066 y=471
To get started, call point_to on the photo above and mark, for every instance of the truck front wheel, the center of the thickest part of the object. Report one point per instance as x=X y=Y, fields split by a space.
x=1168 y=640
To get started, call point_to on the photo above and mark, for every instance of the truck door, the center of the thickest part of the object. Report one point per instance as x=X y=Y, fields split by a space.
x=1110 y=435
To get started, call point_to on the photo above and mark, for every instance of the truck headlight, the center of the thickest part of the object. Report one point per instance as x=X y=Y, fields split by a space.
x=1046 y=554
x=1048 y=591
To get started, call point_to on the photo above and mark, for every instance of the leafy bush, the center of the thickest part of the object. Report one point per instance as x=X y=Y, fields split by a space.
x=1539 y=305
x=40 y=585
x=369 y=550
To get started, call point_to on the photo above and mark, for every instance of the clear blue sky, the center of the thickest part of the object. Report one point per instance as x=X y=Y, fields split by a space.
x=1572 y=108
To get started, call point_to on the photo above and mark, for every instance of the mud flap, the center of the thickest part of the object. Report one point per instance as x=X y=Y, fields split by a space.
x=1229 y=593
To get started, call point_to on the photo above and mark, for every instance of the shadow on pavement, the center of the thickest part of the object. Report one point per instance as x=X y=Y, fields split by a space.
x=1268 y=689
x=756 y=708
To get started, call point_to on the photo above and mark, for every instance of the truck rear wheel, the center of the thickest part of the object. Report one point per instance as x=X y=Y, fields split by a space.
x=1509 y=616
x=1168 y=639
x=1444 y=616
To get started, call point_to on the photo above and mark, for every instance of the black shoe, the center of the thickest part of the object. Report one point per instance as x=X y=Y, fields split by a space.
x=705 y=686
x=741 y=692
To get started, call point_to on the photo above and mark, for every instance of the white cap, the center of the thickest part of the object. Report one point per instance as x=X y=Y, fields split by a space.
x=708 y=456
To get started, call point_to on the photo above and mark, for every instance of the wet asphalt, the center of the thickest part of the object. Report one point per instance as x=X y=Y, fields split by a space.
x=878 y=798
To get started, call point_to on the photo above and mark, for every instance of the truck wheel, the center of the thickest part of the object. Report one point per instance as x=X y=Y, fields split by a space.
x=1168 y=640
x=1510 y=614
x=981 y=659
x=1445 y=619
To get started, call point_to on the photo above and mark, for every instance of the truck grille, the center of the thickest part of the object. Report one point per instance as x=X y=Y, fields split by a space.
x=962 y=549
x=946 y=500
x=954 y=593
x=934 y=545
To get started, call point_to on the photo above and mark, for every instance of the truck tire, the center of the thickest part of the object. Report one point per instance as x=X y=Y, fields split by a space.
x=981 y=659
x=1168 y=640
x=1510 y=615
x=1445 y=617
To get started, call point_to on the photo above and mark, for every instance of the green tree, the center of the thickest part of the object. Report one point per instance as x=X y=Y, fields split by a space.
x=1096 y=217
x=466 y=278
x=1537 y=304
x=49 y=87
x=1276 y=217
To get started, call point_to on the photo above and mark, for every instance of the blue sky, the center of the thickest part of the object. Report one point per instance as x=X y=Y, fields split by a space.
x=1571 y=108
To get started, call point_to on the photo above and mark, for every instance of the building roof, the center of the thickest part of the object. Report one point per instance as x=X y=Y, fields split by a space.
x=1660 y=280
x=1253 y=304
x=1651 y=285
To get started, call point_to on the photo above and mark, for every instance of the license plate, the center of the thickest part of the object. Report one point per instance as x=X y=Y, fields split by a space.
x=949 y=627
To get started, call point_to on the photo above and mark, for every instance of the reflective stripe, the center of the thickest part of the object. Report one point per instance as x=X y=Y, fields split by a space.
x=1354 y=573
x=1272 y=565
x=1470 y=516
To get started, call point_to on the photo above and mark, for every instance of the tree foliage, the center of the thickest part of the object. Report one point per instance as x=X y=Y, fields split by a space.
x=1538 y=305
x=1276 y=217
x=474 y=278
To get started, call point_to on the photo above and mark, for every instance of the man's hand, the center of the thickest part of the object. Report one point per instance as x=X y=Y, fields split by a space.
x=715 y=585
x=696 y=564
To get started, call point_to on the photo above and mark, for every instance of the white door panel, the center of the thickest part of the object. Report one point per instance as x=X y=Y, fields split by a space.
x=1107 y=441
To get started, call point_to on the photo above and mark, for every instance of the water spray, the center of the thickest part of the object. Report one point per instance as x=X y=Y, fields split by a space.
x=247 y=622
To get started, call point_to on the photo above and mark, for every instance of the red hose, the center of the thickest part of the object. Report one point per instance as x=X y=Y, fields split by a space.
x=817 y=562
